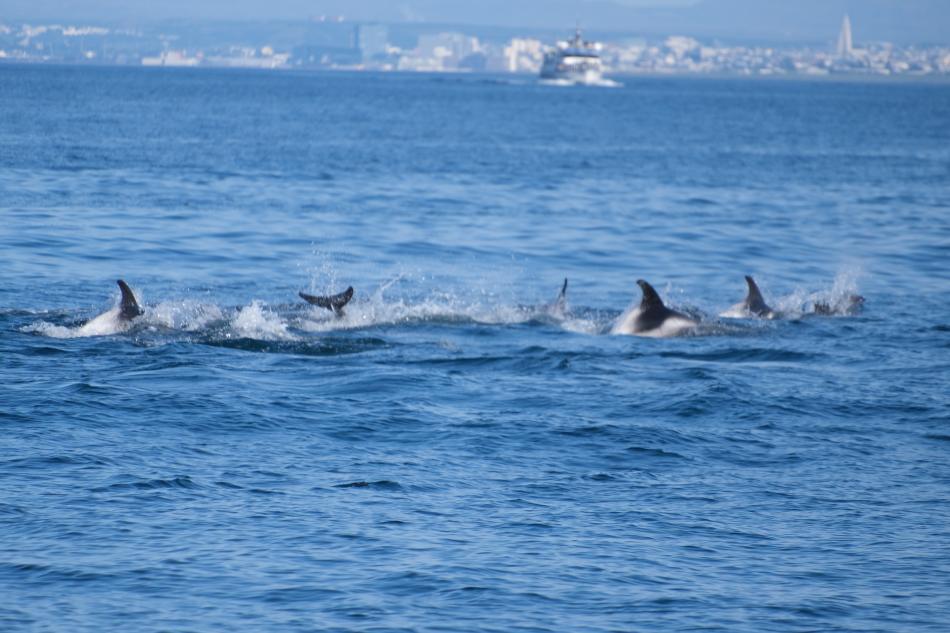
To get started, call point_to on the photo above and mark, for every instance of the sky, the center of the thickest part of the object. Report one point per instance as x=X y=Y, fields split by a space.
x=801 y=21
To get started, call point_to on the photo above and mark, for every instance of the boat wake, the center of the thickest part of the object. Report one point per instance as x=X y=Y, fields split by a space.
x=596 y=83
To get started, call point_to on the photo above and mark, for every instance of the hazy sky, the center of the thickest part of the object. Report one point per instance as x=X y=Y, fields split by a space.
x=904 y=21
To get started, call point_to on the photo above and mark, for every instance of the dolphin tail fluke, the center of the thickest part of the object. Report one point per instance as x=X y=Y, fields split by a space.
x=650 y=297
x=129 y=307
x=330 y=302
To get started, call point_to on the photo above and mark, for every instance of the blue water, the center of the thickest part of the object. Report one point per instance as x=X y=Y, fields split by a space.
x=454 y=454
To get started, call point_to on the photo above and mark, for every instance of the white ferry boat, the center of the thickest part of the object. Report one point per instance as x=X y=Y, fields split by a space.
x=575 y=61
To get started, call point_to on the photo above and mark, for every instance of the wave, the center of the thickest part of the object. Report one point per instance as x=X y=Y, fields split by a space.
x=181 y=482
x=754 y=355
x=383 y=484
x=321 y=347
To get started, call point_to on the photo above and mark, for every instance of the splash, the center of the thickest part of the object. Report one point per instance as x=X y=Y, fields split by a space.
x=838 y=300
x=843 y=299
x=255 y=321
x=186 y=315
x=443 y=308
x=297 y=322
x=105 y=324
x=45 y=328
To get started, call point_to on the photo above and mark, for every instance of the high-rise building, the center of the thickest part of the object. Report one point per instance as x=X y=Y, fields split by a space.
x=844 y=38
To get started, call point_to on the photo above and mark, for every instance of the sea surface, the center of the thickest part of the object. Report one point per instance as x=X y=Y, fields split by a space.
x=458 y=452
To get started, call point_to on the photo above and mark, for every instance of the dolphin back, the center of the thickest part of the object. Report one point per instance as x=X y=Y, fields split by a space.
x=652 y=317
x=651 y=300
x=652 y=311
x=754 y=302
x=330 y=302
x=128 y=307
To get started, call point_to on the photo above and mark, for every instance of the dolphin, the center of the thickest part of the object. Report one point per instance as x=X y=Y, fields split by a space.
x=558 y=307
x=651 y=317
x=752 y=305
x=330 y=302
x=117 y=319
x=851 y=306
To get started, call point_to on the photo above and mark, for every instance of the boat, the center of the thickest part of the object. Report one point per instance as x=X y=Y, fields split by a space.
x=574 y=62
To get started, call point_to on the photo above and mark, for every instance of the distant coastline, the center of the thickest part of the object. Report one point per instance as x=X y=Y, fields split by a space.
x=519 y=78
x=335 y=44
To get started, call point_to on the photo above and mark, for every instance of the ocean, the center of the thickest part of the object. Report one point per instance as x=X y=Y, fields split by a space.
x=458 y=451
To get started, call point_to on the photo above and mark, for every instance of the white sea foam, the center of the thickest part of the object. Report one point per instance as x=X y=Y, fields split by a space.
x=377 y=310
x=738 y=311
x=255 y=321
x=579 y=325
x=837 y=298
x=599 y=83
x=187 y=315
x=105 y=324
x=258 y=321
x=45 y=328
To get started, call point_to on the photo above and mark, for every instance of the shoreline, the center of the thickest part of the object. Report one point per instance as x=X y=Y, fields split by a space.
x=932 y=78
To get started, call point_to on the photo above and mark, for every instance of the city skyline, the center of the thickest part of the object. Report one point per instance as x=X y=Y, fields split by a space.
x=332 y=43
x=904 y=22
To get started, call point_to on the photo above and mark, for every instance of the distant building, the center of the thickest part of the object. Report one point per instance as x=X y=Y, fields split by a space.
x=171 y=58
x=435 y=52
x=524 y=55
x=451 y=47
x=372 y=40
x=328 y=43
x=845 y=45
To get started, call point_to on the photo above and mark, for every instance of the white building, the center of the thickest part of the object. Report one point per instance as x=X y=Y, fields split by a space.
x=171 y=58
x=524 y=56
x=443 y=51
x=845 y=45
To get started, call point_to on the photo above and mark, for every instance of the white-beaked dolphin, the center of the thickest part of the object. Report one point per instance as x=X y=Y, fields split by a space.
x=558 y=307
x=848 y=306
x=753 y=304
x=115 y=320
x=651 y=317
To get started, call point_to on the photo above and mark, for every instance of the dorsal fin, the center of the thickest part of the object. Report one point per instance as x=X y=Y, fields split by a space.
x=651 y=299
x=330 y=302
x=753 y=300
x=559 y=306
x=128 y=307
